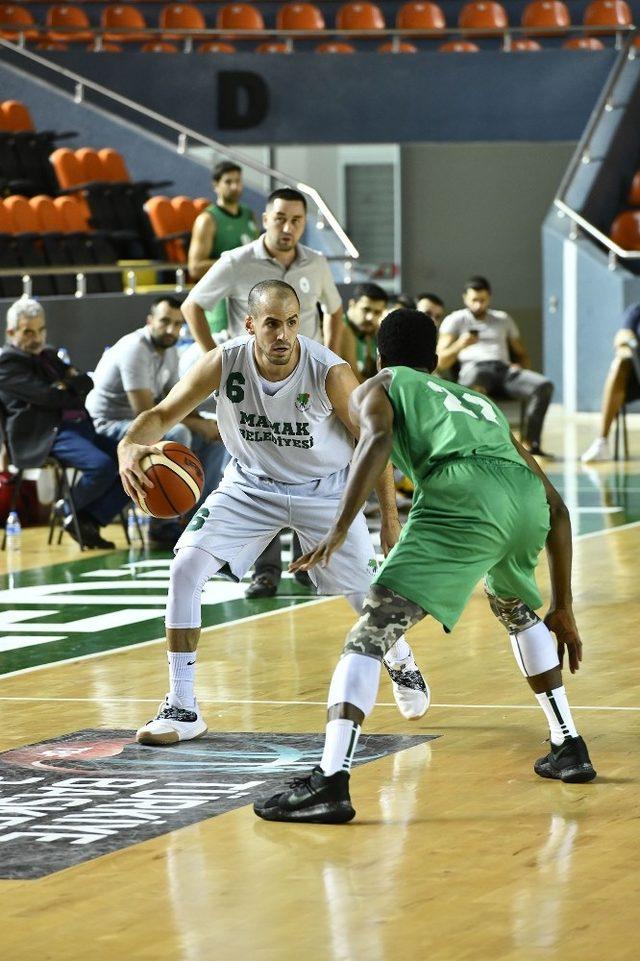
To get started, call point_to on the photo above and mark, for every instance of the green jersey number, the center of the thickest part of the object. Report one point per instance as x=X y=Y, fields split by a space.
x=234 y=389
x=198 y=519
x=455 y=405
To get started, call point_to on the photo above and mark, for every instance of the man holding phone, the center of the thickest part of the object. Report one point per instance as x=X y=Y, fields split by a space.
x=493 y=360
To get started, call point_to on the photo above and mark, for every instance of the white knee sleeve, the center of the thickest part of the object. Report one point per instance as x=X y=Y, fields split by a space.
x=191 y=568
x=355 y=681
x=535 y=650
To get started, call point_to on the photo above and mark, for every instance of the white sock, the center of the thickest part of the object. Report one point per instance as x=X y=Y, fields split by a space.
x=340 y=742
x=182 y=675
x=398 y=652
x=558 y=713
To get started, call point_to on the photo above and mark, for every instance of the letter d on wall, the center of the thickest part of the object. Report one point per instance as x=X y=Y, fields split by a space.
x=243 y=99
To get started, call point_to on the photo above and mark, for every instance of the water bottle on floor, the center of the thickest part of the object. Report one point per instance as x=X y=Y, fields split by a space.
x=13 y=531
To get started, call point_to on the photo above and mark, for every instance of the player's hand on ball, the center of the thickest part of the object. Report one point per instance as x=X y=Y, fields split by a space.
x=133 y=478
x=562 y=623
x=321 y=553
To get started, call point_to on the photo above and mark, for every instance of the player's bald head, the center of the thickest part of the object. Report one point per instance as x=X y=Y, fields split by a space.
x=271 y=293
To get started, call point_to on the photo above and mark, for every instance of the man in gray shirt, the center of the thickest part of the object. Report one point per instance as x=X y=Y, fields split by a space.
x=483 y=342
x=137 y=372
x=275 y=255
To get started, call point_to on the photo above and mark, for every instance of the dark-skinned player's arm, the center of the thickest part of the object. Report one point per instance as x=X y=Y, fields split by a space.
x=150 y=426
x=559 y=547
x=371 y=412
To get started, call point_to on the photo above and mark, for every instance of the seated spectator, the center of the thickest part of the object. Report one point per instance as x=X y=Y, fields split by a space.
x=45 y=414
x=359 y=337
x=622 y=384
x=400 y=300
x=433 y=305
x=136 y=373
x=483 y=342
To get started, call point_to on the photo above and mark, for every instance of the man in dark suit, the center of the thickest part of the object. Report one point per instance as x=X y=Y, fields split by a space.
x=44 y=412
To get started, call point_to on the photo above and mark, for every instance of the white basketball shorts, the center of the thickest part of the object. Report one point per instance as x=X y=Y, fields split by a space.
x=240 y=519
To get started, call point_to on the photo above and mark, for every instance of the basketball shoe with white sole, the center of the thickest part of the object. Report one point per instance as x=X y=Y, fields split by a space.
x=172 y=724
x=410 y=690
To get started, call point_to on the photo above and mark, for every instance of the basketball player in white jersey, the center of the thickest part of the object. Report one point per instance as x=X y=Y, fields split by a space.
x=283 y=416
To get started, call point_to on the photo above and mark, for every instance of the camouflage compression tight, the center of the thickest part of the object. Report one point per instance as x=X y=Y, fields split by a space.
x=386 y=616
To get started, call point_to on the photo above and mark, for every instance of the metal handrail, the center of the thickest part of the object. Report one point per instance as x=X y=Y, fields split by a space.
x=184 y=133
x=581 y=155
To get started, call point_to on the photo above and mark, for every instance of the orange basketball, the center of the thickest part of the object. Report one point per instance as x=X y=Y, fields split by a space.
x=177 y=478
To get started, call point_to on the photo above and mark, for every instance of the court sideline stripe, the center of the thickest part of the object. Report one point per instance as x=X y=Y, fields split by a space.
x=161 y=640
x=255 y=617
x=232 y=701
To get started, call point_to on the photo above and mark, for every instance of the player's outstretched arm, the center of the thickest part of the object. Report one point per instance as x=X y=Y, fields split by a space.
x=370 y=409
x=151 y=425
x=560 y=618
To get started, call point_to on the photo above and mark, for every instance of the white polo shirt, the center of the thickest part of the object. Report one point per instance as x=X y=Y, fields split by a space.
x=238 y=270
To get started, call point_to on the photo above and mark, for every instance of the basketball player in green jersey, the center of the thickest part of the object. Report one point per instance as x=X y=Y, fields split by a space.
x=224 y=225
x=482 y=509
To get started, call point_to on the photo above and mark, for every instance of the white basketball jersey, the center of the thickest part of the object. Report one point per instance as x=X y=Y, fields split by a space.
x=292 y=437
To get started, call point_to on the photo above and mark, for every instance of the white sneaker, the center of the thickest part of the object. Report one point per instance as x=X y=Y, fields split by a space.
x=410 y=690
x=172 y=724
x=599 y=450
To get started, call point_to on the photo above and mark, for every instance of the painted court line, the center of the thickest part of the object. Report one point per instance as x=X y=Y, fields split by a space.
x=208 y=700
x=162 y=640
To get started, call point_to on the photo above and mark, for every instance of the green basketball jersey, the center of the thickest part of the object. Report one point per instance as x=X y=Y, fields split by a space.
x=436 y=421
x=232 y=230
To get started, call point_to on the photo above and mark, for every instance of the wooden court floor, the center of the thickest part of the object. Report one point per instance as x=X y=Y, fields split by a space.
x=458 y=851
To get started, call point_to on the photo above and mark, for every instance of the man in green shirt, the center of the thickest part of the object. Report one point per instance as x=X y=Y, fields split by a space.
x=361 y=321
x=224 y=225
x=482 y=508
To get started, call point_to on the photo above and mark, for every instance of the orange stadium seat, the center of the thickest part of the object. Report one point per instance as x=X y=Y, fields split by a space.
x=216 y=46
x=625 y=230
x=272 y=46
x=335 y=46
x=608 y=13
x=106 y=47
x=158 y=46
x=68 y=168
x=23 y=216
x=123 y=17
x=16 y=117
x=49 y=217
x=521 y=44
x=360 y=16
x=91 y=165
x=459 y=46
x=583 y=43
x=186 y=211
x=181 y=16
x=239 y=16
x=72 y=17
x=74 y=212
x=402 y=47
x=546 y=15
x=483 y=16
x=420 y=16
x=634 y=191
x=18 y=17
x=299 y=16
x=201 y=203
x=51 y=45
x=114 y=169
x=166 y=225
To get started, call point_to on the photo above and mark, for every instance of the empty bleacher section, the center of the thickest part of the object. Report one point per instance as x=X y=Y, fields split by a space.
x=327 y=27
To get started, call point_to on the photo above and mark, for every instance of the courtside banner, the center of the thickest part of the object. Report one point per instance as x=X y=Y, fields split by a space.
x=93 y=792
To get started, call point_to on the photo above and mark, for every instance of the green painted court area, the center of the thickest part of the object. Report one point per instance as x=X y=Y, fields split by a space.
x=102 y=603
x=98 y=604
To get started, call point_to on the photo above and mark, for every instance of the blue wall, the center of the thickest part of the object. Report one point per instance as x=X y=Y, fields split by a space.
x=368 y=98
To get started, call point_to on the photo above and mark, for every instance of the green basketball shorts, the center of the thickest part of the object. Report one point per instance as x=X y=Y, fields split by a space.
x=473 y=518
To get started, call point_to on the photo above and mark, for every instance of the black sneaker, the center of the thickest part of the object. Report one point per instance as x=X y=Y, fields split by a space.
x=317 y=798
x=262 y=586
x=569 y=762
